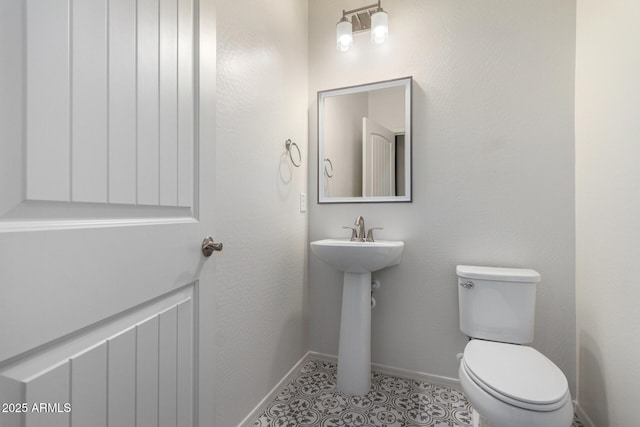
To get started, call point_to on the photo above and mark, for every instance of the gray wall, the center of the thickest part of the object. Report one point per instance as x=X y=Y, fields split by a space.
x=493 y=169
x=343 y=142
x=608 y=210
x=260 y=295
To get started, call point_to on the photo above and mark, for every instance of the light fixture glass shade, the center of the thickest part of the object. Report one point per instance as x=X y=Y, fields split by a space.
x=379 y=26
x=344 y=34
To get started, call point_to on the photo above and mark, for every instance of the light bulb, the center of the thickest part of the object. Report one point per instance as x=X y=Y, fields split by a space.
x=344 y=34
x=379 y=26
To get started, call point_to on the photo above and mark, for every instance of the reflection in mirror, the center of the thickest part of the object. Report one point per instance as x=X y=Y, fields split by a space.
x=364 y=143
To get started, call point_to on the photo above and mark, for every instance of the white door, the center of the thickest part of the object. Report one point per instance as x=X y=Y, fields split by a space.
x=107 y=128
x=378 y=160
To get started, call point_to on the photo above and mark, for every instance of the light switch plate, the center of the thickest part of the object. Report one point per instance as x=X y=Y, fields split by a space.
x=303 y=202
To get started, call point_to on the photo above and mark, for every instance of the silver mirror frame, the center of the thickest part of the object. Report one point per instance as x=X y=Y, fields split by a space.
x=407 y=83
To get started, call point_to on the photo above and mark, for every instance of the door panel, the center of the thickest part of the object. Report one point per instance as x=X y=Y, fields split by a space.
x=47 y=59
x=121 y=379
x=51 y=386
x=137 y=367
x=89 y=83
x=378 y=160
x=101 y=215
x=122 y=102
x=56 y=282
x=88 y=389
x=110 y=100
x=12 y=104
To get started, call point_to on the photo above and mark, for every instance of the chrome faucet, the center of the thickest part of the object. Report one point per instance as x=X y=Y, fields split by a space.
x=358 y=233
x=360 y=224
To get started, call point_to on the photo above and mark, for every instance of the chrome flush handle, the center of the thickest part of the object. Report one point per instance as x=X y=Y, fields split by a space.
x=467 y=285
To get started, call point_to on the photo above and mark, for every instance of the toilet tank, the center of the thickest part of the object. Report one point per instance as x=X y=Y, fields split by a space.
x=497 y=304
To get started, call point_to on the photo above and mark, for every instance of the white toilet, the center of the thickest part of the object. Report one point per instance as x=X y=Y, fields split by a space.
x=507 y=384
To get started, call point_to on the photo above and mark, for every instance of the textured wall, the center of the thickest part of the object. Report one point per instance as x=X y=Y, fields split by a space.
x=260 y=279
x=607 y=210
x=493 y=169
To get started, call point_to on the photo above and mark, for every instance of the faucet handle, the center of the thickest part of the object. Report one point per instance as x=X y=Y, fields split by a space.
x=370 y=234
x=354 y=233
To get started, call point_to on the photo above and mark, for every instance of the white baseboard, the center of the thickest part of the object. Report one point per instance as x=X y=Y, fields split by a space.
x=289 y=376
x=383 y=369
x=417 y=376
x=398 y=372
x=586 y=421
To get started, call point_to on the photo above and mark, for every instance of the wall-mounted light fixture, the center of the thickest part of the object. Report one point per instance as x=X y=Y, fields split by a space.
x=368 y=18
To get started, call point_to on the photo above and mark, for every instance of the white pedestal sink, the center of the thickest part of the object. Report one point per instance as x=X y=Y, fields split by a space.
x=357 y=260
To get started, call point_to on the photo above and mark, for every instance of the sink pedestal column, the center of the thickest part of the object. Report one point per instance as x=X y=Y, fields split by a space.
x=354 y=351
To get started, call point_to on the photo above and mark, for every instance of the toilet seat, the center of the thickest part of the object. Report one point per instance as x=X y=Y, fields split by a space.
x=517 y=375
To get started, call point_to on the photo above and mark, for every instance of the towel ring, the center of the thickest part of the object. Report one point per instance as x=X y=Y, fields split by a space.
x=288 y=144
x=326 y=171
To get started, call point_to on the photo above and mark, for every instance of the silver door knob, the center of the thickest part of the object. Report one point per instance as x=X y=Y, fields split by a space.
x=209 y=246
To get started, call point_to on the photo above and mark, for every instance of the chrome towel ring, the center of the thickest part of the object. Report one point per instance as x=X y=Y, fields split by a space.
x=327 y=161
x=288 y=144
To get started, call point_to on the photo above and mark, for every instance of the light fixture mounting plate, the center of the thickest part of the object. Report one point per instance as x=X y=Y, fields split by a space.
x=361 y=21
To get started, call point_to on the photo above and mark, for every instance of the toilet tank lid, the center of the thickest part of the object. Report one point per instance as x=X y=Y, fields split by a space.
x=498 y=273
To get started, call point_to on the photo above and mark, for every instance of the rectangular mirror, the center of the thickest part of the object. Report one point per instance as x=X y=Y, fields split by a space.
x=364 y=143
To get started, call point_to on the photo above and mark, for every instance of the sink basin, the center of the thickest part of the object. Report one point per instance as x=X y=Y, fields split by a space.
x=358 y=257
x=356 y=260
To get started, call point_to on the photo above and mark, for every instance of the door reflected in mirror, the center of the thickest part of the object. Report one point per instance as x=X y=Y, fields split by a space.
x=364 y=143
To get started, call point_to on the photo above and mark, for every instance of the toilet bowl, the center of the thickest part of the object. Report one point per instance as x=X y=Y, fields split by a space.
x=513 y=385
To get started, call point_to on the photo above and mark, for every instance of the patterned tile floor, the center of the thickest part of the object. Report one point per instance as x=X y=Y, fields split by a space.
x=313 y=400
